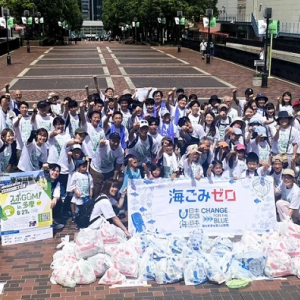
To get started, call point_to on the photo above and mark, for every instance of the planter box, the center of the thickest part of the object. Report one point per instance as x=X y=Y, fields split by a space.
x=256 y=81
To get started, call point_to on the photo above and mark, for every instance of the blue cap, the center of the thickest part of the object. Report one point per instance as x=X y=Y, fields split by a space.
x=255 y=120
x=80 y=162
x=261 y=130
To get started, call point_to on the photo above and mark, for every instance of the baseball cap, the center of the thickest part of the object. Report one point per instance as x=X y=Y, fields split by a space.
x=192 y=148
x=261 y=96
x=249 y=91
x=143 y=123
x=164 y=111
x=80 y=131
x=223 y=105
x=80 y=162
x=296 y=103
x=237 y=131
x=76 y=146
x=261 y=130
x=50 y=95
x=114 y=135
x=240 y=147
x=288 y=172
x=43 y=104
x=222 y=144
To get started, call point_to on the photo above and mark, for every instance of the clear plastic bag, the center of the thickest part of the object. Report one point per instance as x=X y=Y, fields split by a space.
x=112 y=276
x=111 y=234
x=100 y=263
x=63 y=276
x=147 y=265
x=83 y=272
x=195 y=273
x=168 y=270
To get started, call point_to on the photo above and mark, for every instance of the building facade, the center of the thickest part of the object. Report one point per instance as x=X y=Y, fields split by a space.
x=92 y=10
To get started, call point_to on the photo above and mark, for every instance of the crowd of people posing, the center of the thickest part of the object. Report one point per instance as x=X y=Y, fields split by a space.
x=97 y=145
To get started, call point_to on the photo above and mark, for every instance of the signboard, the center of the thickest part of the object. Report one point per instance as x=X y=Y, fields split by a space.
x=181 y=206
x=213 y=22
x=141 y=93
x=273 y=26
x=25 y=211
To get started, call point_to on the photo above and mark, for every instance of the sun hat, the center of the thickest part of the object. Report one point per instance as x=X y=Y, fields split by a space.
x=277 y=157
x=223 y=105
x=80 y=162
x=238 y=119
x=255 y=120
x=192 y=149
x=214 y=98
x=222 y=144
x=261 y=96
x=76 y=146
x=284 y=115
x=164 y=111
x=289 y=172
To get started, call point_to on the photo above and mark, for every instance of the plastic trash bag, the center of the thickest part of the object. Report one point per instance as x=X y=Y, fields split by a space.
x=278 y=263
x=254 y=261
x=168 y=270
x=296 y=266
x=287 y=227
x=63 y=276
x=290 y=245
x=111 y=234
x=195 y=273
x=83 y=272
x=112 y=276
x=238 y=272
x=252 y=241
x=175 y=245
x=100 y=263
x=147 y=265
x=126 y=260
x=137 y=243
x=110 y=248
x=214 y=272
x=197 y=240
x=88 y=243
x=159 y=246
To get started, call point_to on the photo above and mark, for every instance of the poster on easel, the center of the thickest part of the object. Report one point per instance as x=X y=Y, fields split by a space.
x=25 y=212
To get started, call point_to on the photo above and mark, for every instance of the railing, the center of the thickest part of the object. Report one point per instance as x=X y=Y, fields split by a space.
x=224 y=17
x=289 y=28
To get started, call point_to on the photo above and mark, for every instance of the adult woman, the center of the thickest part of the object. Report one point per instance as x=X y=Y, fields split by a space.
x=56 y=203
x=6 y=151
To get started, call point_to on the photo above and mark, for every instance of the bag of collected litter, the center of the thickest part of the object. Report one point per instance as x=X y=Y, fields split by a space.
x=112 y=276
x=137 y=244
x=197 y=240
x=63 y=276
x=288 y=227
x=296 y=266
x=111 y=234
x=175 y=245
x=100 y=263
x=126 y=260
x=238 y=272
x=254 y=261
x=147 y=265
x=195 y=273
x=88 y=243
x=159 y=246
x=110 y=248
x=269 y=240
x=83 y=272
x=61 y=259
x=278 y=263
x=168 y=270
x=252 y=241
x=290 y=245
x=214 y=272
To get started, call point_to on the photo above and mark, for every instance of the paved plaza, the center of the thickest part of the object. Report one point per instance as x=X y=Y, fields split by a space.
x=66 y=70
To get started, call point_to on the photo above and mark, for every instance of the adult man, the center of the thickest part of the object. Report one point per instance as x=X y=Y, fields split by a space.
x=107 y=161
x=232 y=113
x=203 y=46
x=14 y=102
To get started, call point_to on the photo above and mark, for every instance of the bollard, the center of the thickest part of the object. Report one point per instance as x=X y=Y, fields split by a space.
x=28 y=49
x=8 y=60
x=179 y=48
x=208 y=58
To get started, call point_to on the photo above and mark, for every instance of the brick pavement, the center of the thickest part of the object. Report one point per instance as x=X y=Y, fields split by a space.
x=26 y=268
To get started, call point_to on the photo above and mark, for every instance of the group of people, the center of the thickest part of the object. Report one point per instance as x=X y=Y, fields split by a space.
x=95 y=146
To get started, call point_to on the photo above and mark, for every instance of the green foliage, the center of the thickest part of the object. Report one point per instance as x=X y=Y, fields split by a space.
x=51 y=10
x=116 y=12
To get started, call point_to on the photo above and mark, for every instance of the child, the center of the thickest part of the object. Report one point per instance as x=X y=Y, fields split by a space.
x=168 y=159
x=6 y=152
x=167 y=128
x=34 y=153
x=221 y=151
x=235 y=162
x=270 y=122
x=284 y=103
x=116 y=126
x=153 y=172
x=260 y=145
x=241 y=103
x=252 y=162
x=191 y=165
x=124 y=102
x=223 y=120
x=261 y=100
x=215 y=170
x=289 y=204
x=81 y=186
x=131 y=171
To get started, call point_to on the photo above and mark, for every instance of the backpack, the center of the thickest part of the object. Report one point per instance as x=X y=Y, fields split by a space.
x=84 y=214
x=68 y=122
x=150 y=139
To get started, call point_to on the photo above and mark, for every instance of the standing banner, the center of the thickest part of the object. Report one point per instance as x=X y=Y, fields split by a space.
x=218 y=207
x=25 y=212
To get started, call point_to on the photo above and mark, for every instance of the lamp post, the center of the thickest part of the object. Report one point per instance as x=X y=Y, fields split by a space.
x=179 y=15
x=8 y=57
x=209 y=13
x=264 y=79
x=37 y=21
x=26 y=15
x=134 y=25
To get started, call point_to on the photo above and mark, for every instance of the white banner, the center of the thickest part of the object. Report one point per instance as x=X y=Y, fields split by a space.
x=181 y=206
x=25 y=210
x=141 y=93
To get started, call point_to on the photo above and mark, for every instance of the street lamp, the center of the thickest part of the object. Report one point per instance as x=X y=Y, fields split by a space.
x=26 y=15
x=6 y=15
x=134 y=25
x=264 y=79
x=209 y=13
x=179 y=15
x=37 y=21
x=162 y=22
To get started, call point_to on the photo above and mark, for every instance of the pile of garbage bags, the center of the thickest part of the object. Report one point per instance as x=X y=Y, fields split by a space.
x=104 y=252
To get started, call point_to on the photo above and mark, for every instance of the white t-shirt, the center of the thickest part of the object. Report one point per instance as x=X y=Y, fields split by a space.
x=287 y=138
x=232 y=113
x=193 y=169
x=56 y=109
x=288 y=108
x=238 y=168
x=23 y=131
x=43 y=122
x=82 y=183
x=194 y=119
x=56 y=191
x=56 y=145
x=5 y=156
x=163 y=129
x=103 y=208
x=170 y=164
x=291 y=195
x=216 y=137
x=74 y=124
x=156 y=141
x=31 y=155
x=126 y=119
x=91 y=142
x=181 y=112
x=105 y=158
x=198 y=132
x=6 y=119
x=262 y=149
x=242 y=103
x=141 y=150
